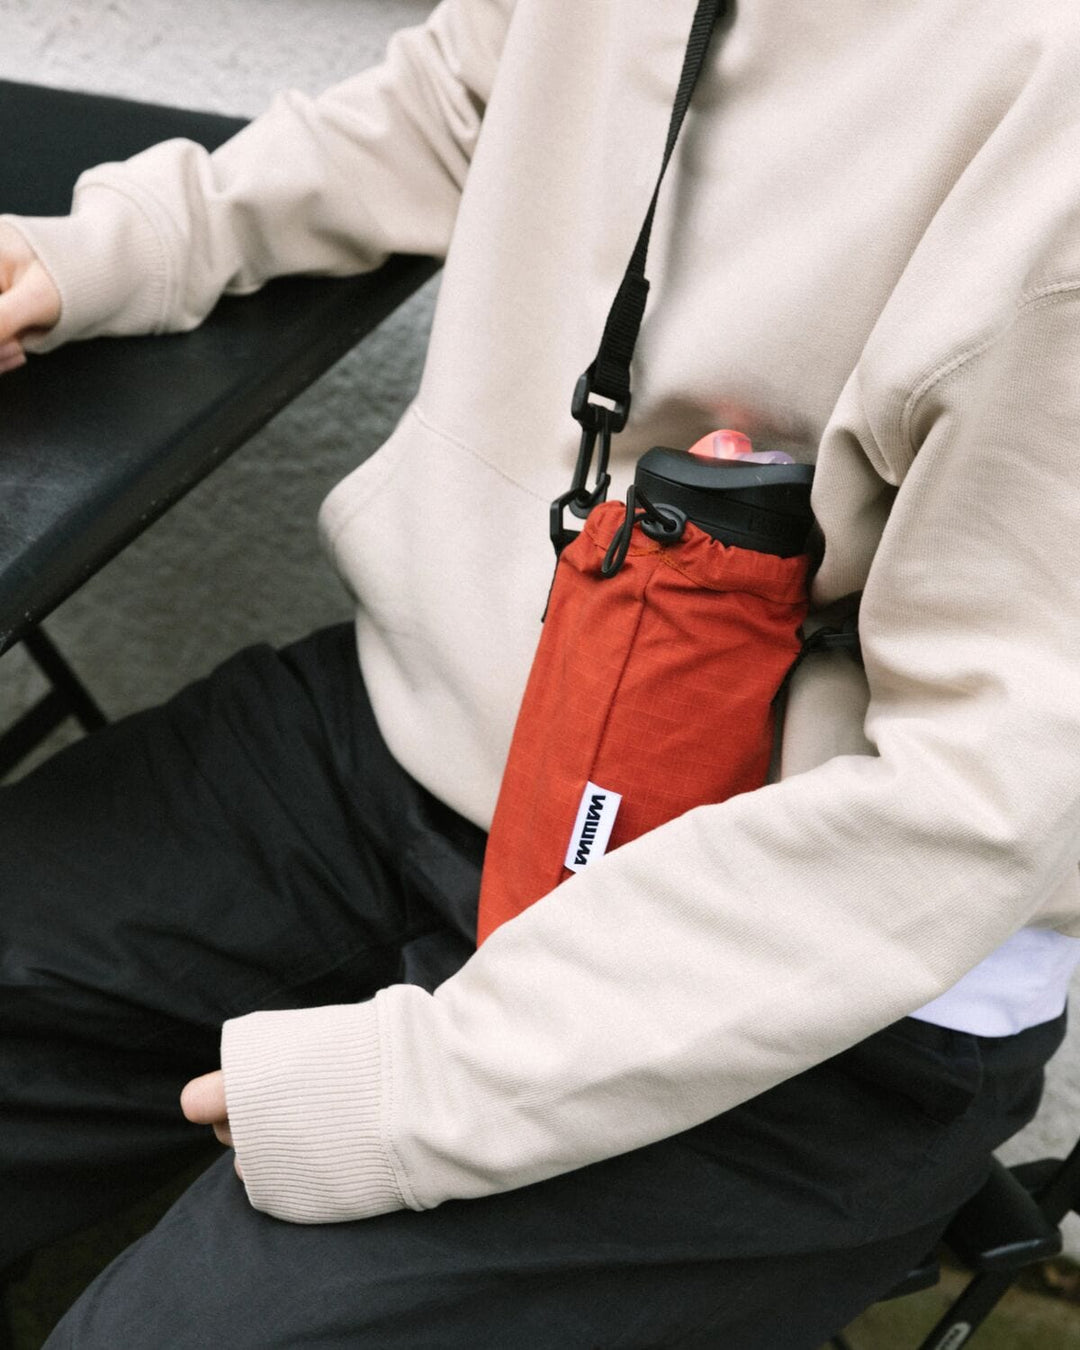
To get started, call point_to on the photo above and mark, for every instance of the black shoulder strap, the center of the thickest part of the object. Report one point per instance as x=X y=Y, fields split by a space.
x=601 y=402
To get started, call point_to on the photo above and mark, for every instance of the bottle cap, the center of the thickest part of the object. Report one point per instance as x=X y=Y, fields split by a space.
x=728 y=444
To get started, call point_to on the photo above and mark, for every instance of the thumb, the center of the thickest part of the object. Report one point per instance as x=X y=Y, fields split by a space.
x=203 y=1099
x=12 y=356
x=31 y=304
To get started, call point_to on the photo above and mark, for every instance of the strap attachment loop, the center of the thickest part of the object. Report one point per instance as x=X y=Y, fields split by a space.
x=601 y=402
x=599 y=422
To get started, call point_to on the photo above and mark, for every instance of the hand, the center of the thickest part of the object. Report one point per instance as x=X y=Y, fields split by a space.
x=203 y=1102
x=29 y=301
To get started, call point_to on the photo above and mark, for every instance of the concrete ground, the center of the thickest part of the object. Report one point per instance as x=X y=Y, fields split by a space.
x=1023 y=1320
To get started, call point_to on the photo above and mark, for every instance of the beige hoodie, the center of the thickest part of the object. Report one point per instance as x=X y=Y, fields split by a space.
x=868 y=250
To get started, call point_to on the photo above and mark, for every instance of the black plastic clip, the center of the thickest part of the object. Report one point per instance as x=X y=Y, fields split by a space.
x=845 y=638
x=599 y=421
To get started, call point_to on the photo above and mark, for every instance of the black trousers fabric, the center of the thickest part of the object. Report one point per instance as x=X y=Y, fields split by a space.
x=252 y=844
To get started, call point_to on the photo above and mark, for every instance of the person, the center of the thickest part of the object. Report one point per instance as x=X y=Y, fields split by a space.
x=726 y=1084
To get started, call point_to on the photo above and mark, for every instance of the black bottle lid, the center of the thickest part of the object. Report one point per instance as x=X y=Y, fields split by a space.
x=765 y=507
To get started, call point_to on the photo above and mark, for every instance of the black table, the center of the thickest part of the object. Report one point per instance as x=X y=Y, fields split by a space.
x=98 y=439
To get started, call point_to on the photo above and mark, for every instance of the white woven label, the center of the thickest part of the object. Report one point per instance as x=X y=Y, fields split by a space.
x=592 y=829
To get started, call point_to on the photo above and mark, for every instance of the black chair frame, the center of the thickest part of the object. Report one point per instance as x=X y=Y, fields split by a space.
x=1012 y=1223
x=67 y=696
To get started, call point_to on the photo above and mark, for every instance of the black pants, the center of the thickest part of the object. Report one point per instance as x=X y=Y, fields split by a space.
x=252 y=844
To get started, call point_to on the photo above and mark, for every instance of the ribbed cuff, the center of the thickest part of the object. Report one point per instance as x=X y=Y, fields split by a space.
x=305 y=1092
x=106 y=261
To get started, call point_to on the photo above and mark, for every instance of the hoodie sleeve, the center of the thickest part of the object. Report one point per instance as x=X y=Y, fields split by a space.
x=743 y=942
x=328 y=185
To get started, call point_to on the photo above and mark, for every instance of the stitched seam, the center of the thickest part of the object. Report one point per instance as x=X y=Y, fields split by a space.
x=388 y=1111
x=151 y=213
x=600 y=740
x=425 y=420
x=144 y=207
x=762 y=592
x=390 y=466
x=390 y=470
x=1049 y=293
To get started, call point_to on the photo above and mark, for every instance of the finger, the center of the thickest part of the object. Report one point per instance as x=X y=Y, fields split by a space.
x=203 y=1099
x=17 y=313
x=12 y=356
x=224 y=1134
x=32 y=304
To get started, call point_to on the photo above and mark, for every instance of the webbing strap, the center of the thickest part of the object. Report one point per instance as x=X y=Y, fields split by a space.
x=610 y=371
x=601 y=402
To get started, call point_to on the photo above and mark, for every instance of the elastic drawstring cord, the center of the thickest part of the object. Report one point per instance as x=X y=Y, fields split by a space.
x=663 y=523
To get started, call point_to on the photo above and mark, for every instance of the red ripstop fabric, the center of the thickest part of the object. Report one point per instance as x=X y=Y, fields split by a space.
x=657 y=683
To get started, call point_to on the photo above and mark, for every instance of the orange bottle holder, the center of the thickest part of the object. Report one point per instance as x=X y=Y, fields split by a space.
x=656 y=685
